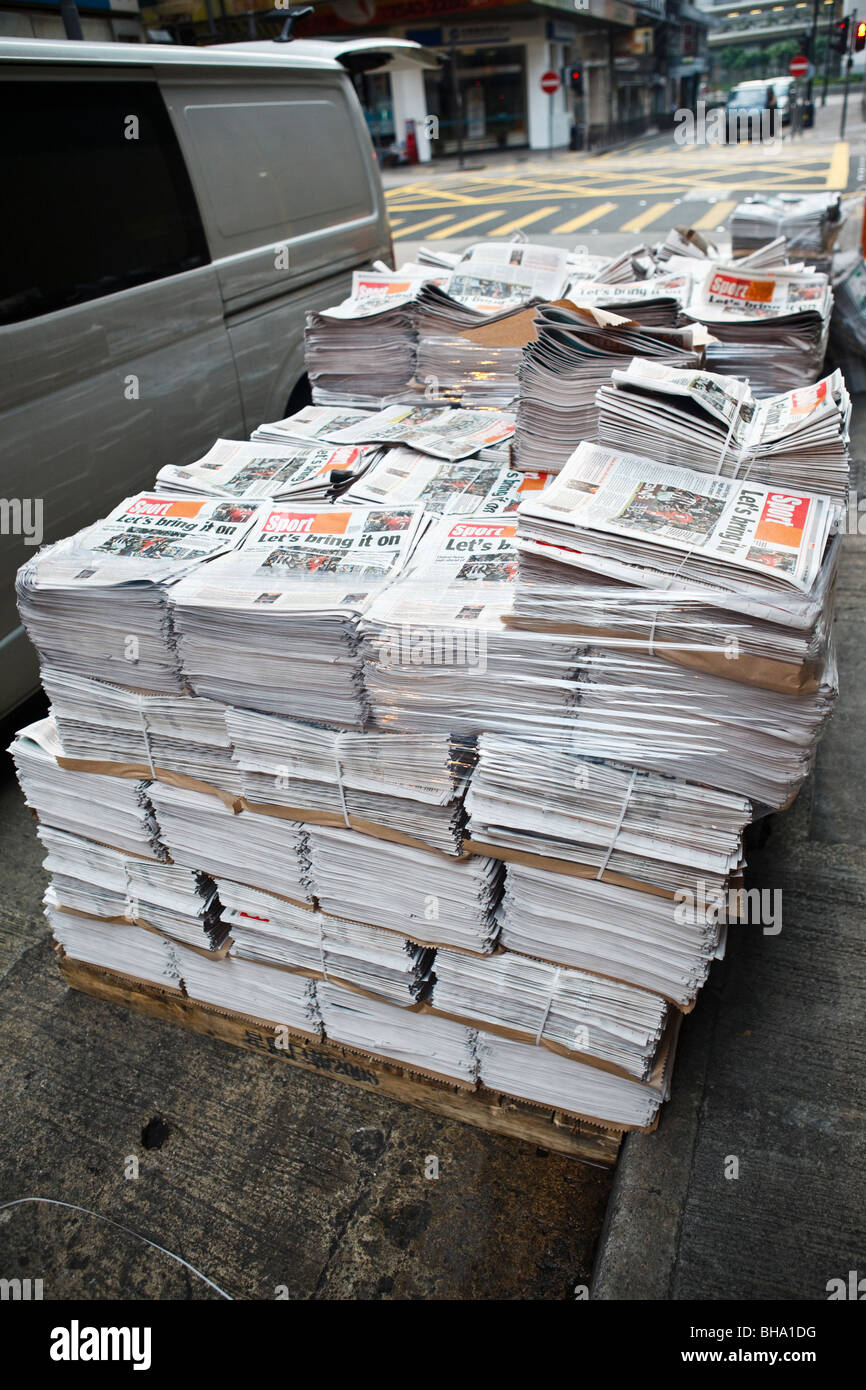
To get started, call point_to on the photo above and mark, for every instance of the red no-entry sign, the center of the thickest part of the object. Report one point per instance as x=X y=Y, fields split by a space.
x=798 y=67
x=550 y=82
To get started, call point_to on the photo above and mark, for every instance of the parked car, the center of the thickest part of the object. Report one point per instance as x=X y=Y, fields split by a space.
x=748 y=100
x=171 y=214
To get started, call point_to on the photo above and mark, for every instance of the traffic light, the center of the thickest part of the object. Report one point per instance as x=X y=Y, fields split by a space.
x=575 y=78
x=840 y=35
x=860 y=37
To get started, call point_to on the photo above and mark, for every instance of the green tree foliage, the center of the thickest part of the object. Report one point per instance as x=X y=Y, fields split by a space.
x=780 y=55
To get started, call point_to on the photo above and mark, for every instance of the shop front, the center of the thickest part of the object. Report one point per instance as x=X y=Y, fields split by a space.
x=478 y=99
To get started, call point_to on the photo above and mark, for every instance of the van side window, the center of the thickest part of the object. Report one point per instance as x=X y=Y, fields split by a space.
x=97 y=197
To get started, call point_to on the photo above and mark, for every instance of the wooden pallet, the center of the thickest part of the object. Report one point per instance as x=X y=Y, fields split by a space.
x=487 y=1110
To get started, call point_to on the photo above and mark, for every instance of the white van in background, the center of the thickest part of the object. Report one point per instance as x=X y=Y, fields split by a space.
x=170 y=216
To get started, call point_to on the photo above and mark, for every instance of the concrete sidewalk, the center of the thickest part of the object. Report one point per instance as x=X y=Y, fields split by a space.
x=771 y=1068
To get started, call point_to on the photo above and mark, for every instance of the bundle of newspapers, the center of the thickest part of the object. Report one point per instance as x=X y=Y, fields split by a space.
x=628 y=518
x=97 y=603
x=298 y=586
x=361 y=349
x=272 y=930
x=247 y=470
x=109 y=728
x=848 y=324
x=98 y=881
x=200 y=832
x=364 y=349
x=572 y=355
x=769 y=325
x=654 y=303
x=714 y=424
x=110 y=810
x=714 y=574
x=406 y=788
x=808 y=222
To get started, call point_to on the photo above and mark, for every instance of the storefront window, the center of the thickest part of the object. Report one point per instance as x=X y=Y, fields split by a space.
x=378 y=108
x=492 y=86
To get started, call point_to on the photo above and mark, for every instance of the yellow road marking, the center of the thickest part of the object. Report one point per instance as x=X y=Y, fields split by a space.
x=644 y=219
x=592 y=216
x=715 y=216
x=837 y=174
x=443 y=196
x=419 y=226
x=524 y=221
x=456 y=227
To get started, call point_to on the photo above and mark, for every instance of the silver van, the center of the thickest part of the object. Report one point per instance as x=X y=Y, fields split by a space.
x=170 y=215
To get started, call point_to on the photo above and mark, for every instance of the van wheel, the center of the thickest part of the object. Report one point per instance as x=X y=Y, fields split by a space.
x=301 y=396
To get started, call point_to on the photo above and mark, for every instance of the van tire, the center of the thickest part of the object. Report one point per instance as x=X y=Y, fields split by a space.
x=301 y=395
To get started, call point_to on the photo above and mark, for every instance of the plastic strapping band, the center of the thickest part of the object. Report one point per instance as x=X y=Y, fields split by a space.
x=651 y=639
x=749 y=445
x=552 y=991
x=340 y=788
x=322 y=966
x=618 y=827
x=131 y=904
x=728 y=438
x=652 y=632
x=146 y=732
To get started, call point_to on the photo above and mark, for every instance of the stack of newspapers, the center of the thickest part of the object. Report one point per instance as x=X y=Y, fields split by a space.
x=626 y=518
x=769 y=325
x=432 y=729
x=245 y=470
x=97 y=604
x=654 y=303
x=272 y=930
x=110 y=810
x=362 y=349
x=808 y=222
x=407 y=787
x=572 y=355
x=274 y=625
x=200 y=832
x=136 y=733
x=365 y=349
x=626 y=823
x=714 y=424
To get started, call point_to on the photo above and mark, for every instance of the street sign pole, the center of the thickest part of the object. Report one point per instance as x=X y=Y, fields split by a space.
x=830 y=22
x=550 y=84
x=852 y=29
x=813 y=51
x=456 y=97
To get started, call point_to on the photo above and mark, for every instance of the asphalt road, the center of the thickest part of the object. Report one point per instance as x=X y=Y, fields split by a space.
x=637 y=192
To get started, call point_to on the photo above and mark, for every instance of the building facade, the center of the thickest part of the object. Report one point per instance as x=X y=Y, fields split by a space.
x=102 y=21
x=620 y=66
